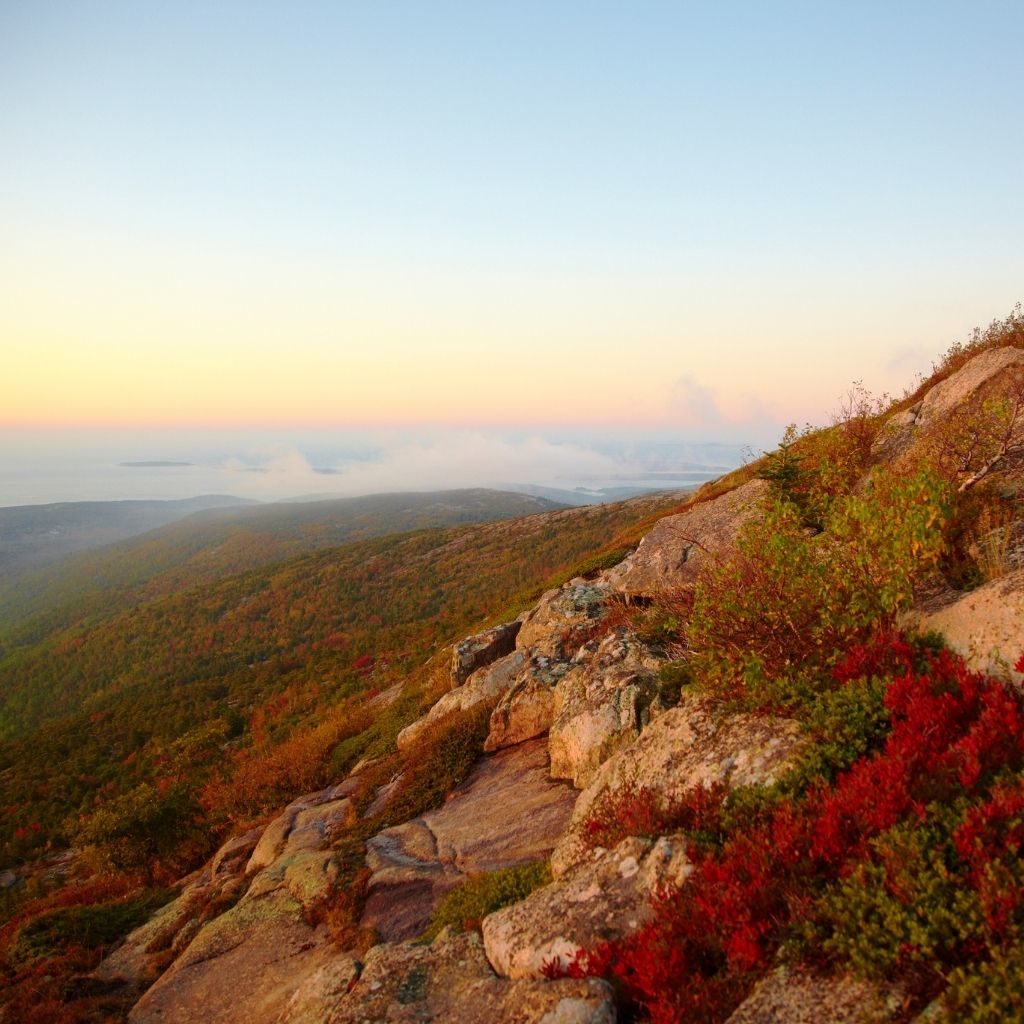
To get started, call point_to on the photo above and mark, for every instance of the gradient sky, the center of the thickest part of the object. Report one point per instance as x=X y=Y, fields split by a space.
x=696 y=217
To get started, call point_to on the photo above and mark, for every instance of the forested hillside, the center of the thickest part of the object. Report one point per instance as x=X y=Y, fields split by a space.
x=215 y=543
x=163 y=691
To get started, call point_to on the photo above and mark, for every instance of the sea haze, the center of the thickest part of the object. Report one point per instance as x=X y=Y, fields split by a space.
x=42 y=466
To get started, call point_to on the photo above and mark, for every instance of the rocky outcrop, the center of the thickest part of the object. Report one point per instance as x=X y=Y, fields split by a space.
x=481 y=649
x=528 y=706
x=602 y=704
x=688 y=746
x=563 y=619
x=793 y=997
x=140 y=958
x=450 y=982
x=263 y=942
x=606 y=898
x=985 y=625
x=903 y=429
x=486 y=684
x=508 y=812
x=304 y=824
x=671 y=555
x=320 y=992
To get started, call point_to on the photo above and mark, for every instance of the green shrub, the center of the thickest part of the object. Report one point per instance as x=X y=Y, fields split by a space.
x=990 y=992
x=672 y=677
x=87 y=927
x=465 y=907
x=147 y=828
x=772 y=617
x=905 y=909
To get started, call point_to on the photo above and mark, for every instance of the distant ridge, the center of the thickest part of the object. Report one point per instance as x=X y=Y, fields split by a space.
x=35 y=535
x=205 y=539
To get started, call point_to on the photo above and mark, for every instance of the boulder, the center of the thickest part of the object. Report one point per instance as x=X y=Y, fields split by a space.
x=606 y=898
x=508 y=812
x=481 y=649
x=986 y=625
x=563 y=619
x=796 y=997
x=528 y=706
x=601 y=705
x=304 y=824
x=484 y=684
x=450 y=982
x=670 y=555
x=233 y=855
x=688 y=746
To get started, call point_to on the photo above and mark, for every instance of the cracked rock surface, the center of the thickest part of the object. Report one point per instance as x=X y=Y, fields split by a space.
x=508 y=812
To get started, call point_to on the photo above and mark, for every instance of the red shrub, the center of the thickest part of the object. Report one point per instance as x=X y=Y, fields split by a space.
x=952 y=732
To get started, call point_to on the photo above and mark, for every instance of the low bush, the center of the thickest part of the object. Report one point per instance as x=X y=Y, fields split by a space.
x=465 y=907
x=440 y=759
x=90 y=927
x=904 y=866
x=770 y=619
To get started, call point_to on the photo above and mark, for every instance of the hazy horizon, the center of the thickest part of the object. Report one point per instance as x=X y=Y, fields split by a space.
x=42 y=467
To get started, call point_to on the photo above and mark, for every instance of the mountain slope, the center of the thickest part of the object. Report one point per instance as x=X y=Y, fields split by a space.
x=110 y=704
x=212 y=544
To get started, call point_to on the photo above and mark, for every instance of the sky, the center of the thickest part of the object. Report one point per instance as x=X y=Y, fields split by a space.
x=696 y=222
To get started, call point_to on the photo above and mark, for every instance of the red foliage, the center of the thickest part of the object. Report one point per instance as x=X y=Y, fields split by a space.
x=990 y=841
x=639 y=811
x=888 y=655
x=952 y=731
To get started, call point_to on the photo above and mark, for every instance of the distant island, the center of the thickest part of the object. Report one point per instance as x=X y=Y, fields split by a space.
x=152 y=463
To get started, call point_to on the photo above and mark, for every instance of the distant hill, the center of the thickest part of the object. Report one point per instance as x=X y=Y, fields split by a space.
x=35 y=535
x=217 y=542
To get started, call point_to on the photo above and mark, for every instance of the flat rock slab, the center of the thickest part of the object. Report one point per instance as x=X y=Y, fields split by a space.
x=242 y=967
x=508 y=812
x=450 y=982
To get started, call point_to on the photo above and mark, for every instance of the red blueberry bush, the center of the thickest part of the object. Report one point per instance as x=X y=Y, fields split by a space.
x=905 y=867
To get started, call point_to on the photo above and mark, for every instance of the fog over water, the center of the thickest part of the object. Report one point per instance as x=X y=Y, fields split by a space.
x=41 y=466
